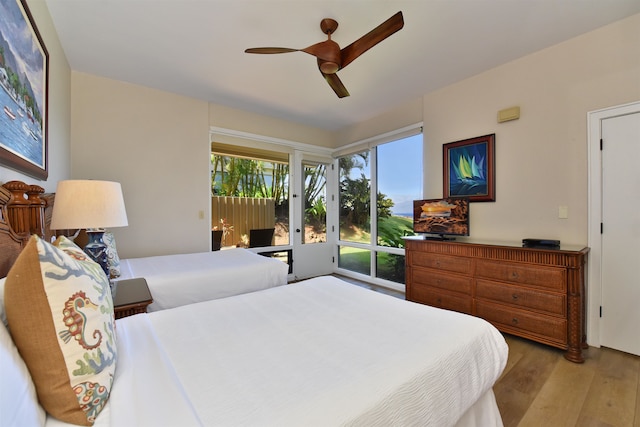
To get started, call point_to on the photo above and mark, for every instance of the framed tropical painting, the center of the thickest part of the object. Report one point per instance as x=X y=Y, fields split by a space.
x=469 y=169
x=24 y=77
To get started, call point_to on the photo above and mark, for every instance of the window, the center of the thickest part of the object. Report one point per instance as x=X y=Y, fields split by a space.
x=315 y=203
x=399 y=182
x=355 y=197
x=392 y=173
x=249 y=190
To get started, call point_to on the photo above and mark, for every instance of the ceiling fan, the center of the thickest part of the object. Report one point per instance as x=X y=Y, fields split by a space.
x=331 y=58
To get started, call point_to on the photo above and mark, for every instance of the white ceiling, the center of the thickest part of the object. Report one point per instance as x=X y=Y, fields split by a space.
x=196 y=47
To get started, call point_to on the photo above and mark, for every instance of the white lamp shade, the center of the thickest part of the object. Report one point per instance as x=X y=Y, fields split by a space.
x=88 y=204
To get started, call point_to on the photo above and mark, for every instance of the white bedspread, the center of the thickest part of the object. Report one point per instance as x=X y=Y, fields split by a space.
x=176 y=280
x=316 y=353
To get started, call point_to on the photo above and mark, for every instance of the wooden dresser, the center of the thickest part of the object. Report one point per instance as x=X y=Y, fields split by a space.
x=533 y=293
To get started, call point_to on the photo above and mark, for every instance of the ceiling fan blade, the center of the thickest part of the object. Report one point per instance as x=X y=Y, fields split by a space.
x=335 y=83
x=372 y=38
x=327 y=50
x=270 y=50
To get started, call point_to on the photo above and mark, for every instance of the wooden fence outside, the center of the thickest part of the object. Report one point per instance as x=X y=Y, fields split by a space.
x=243 y=213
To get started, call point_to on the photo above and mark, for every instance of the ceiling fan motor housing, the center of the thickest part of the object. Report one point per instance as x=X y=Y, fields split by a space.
x=330 y=57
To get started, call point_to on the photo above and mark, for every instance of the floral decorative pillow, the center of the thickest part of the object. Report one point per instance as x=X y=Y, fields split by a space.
x=60 y=312
x=112 y=254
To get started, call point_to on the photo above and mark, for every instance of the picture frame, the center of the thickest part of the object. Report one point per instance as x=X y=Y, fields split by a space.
x=469 y=168
x=24 y=81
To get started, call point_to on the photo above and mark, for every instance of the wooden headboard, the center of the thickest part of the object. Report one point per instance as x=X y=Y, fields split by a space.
x=11 y=243
x=24 y=210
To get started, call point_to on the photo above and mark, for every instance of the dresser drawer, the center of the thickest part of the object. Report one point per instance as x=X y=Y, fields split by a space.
x=531 y=275
x=516 y=296
x=442 y=262
x=520 y=322
x=438 y=279
x=435 y=298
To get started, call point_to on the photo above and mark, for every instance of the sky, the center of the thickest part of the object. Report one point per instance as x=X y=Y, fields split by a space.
x=400 y=172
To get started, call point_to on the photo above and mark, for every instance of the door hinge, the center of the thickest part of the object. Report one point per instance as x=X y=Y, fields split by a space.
x=601 y=143
x=600 y=311
x=601 y=228
x=333 y=228
x=333 y=260
x=332 y=166
x=333 y=197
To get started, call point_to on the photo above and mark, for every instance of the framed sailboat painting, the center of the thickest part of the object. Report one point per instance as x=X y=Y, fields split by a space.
x=469 y=169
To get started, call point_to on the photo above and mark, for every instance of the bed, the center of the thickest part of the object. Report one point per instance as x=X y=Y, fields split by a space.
x=173 y=280
x=321 y=352
x=180 y=279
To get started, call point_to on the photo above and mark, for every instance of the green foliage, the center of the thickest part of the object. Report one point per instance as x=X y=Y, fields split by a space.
x=355 y=259
x=314 y=191
x=234 y=176
x=316 y=214
x=355 y=193
x=355 y=202
x=392 y=229
x=384 y=206
x=390 y=267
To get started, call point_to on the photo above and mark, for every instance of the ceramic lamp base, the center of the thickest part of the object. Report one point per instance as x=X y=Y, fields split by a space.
x=96 y=249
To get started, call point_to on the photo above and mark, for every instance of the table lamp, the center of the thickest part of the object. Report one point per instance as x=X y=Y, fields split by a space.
x=93 y=205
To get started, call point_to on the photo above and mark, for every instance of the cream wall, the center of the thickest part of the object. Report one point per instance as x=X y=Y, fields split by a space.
x=541 y=159
x=156 y=144
x=397 y=117
x=59 y=105
x=244 y=121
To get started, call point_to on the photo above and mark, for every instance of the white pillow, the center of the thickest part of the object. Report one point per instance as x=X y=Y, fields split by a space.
x=18 y=401
x=112 y=255
x=3 y=314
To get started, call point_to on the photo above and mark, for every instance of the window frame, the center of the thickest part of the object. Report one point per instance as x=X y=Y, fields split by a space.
x=373 y=246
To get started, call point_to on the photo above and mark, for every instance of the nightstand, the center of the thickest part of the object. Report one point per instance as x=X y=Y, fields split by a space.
x=130 y=296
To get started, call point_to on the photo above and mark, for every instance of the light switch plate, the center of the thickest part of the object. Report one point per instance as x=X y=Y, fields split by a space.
x=563 y=212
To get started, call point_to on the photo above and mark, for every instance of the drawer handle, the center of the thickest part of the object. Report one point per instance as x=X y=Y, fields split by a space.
x=514 y=274
x=439 y=300
x=437 y=263
x=514 y=297
x=514 y=321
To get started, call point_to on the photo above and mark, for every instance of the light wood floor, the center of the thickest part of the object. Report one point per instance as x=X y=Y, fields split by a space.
x=539 y=387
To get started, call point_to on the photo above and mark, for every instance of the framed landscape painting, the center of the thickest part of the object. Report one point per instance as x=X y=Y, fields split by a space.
x=24 y=78
x=469 y=169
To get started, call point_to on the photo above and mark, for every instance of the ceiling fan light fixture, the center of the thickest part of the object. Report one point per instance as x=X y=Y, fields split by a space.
x=329 y=67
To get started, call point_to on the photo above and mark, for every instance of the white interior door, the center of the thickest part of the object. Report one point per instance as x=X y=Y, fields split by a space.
x=620 y=316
